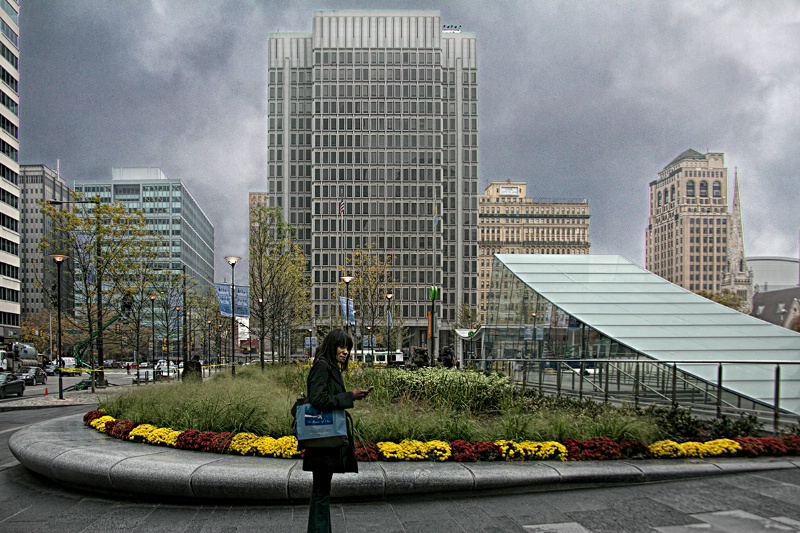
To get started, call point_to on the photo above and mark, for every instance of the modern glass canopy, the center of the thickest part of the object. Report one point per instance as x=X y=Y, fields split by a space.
x=588 y=302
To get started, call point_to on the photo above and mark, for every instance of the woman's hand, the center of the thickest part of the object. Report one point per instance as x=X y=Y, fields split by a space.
x=360 y=394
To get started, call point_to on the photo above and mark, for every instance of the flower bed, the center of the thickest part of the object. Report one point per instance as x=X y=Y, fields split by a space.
x=597 y=448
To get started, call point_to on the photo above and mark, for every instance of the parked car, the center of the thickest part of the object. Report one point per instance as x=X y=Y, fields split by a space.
x=143 y=376
x=11 y=384
x=50 y=370
x=32 y=375
x=172 y=373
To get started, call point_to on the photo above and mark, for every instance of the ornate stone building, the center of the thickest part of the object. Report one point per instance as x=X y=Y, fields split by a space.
x=512 y=223
x=692 y=239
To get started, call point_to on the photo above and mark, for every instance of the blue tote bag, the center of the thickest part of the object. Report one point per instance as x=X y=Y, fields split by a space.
x=320 y=429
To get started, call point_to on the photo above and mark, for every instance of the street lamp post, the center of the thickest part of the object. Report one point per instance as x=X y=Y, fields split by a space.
x=232 y=260
x=153 y=327
x=208 y=346
x=59 y=259
x=179 y=358
x=369 y=336
x=389 y=328
x=261 y=335
x=347 y=280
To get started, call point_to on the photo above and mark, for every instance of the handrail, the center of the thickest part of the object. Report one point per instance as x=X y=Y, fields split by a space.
x=656 y=380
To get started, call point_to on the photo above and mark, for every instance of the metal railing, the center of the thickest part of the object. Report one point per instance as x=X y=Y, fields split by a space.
x=702 y=385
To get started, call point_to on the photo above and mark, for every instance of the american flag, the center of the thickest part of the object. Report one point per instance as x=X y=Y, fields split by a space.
x=341 y=206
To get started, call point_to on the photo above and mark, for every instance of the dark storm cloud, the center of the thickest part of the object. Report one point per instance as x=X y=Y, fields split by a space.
x=579 y=99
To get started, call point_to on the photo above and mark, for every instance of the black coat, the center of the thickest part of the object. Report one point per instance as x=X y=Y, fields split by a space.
x=326 y=392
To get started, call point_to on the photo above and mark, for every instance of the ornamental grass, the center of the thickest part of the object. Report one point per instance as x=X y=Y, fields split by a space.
x=428 y=414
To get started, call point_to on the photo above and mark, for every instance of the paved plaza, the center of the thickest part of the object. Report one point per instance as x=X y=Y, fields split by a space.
x=678 y=496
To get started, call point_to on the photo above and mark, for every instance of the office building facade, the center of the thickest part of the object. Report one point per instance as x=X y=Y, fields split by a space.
x=38 y=184
x=512 y=223
x=10 y=283
x=373 y=143
x=183 y=233
x=692 y=239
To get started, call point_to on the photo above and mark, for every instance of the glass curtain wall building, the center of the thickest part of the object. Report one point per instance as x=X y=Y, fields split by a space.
x=10 y=284
x=373 y=143
x=604 y=326
x=173 y=217
x=40 y=184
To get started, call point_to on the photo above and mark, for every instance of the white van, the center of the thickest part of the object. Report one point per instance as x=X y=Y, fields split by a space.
x=68 y=366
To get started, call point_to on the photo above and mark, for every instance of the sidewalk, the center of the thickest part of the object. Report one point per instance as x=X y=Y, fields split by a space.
x=66 y=451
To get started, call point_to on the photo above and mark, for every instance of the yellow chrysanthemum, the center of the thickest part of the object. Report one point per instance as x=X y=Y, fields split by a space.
x=666 y=449
x=243 y=443
x=100 y=423
x=721 y=447
x=691 y=449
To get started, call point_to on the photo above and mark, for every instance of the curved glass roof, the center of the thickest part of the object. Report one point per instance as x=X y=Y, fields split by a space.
x=659 y=319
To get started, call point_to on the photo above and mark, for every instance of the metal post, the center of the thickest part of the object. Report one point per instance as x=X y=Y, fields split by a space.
x=59 y=259
x=153 y=326
x=719 y=390
x=776 y=407
x=232 y=260
x=674 y=385
x=347 y=280
x=180 y=348
x=389 y=359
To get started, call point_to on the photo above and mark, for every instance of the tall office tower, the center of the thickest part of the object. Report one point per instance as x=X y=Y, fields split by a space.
x=10 y=284
x=184 y=234
x=373 y=143
x=691 y=238
x=38 y=184
x=512 y=223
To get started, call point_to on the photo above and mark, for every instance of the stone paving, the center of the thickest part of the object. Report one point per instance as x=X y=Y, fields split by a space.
x=730 y=496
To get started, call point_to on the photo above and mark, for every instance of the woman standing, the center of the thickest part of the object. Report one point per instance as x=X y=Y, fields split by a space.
x=326 y=392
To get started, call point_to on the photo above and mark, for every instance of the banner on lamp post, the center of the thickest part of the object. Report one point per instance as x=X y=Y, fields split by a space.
x=224 y=300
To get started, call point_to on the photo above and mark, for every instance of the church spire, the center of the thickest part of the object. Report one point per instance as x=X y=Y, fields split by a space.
x=739 y=278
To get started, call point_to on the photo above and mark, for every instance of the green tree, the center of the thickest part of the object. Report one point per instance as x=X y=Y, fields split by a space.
x=726 y=297
x=280 y=293
x=102 y=241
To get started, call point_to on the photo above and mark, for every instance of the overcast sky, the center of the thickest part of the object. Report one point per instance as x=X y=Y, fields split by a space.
x=577 y=98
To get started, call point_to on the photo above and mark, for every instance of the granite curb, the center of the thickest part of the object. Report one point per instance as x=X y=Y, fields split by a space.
x=66 y=451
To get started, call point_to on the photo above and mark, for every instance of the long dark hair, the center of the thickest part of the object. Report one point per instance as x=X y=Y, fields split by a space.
x=337 y=338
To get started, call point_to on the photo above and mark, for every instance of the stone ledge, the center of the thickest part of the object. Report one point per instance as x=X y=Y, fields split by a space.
x=68 y=452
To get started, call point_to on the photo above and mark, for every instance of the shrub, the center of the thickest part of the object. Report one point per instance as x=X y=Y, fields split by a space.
x=595 y=448
x=487 y=451
x=463 y=451
x=120 y=429
x=725 y=428
x=91 y=415
x=366 y=451
x=792 y=443
x=634 y=449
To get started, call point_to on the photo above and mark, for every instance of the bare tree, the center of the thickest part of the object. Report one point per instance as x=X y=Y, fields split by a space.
x=372 y=281
x=279 y=291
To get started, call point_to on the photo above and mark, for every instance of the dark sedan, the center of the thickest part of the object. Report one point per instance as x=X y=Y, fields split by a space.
x=10 y=384
x=32 y=375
